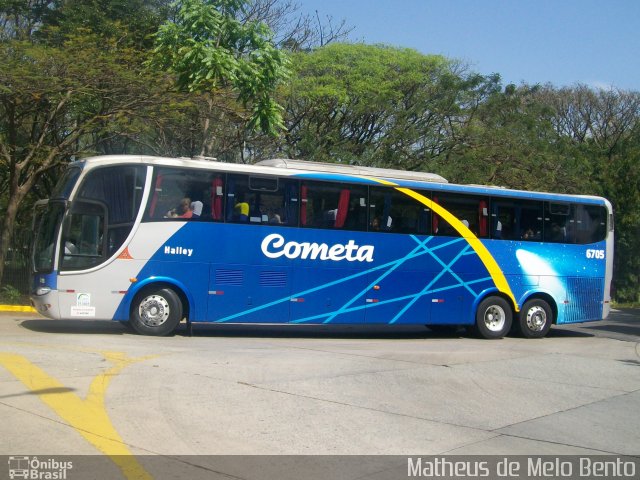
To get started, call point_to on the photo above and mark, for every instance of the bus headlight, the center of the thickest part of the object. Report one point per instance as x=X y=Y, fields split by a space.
x=42 y=291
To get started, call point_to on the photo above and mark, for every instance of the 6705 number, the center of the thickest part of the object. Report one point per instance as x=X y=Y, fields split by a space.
x=592 y=253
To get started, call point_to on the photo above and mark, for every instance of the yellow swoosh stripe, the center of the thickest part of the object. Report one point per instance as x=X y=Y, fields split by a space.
x=485 y=256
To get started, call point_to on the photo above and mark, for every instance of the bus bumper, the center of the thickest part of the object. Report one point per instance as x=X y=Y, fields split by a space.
x=46 y=303
x=44 y=295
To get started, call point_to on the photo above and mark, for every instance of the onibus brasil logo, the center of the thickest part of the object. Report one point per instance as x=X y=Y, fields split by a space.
x=37 y=469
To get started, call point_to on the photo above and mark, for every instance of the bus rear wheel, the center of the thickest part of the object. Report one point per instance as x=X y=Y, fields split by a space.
x=156 y=312
x=535 y=319
x=493 y=318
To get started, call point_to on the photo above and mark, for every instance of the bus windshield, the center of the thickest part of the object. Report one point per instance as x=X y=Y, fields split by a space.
x=95 y=224
x=48 y=218
x=65 y=185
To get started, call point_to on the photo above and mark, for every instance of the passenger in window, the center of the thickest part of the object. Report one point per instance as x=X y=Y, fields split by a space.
x=183 y=210
x=196 y=208
x=241 y=211
x=528 y=234
x=274 y=218
x=498 y=231
x=558 y=233
x=329 y=217
x=471 y=228
x=354 y=217
x=375 y=224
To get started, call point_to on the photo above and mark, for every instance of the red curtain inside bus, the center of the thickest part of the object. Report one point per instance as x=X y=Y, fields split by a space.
x=483 y=215
x=216 y=199
x=343 y=207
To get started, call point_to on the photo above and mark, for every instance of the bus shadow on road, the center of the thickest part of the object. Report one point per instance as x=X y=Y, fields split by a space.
x=319 y=331
x=622 y=325
x=305 y=331
x=76 y=326
x=626 y=329
x=203 y=330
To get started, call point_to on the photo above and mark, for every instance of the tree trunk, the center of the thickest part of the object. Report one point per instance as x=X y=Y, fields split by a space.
x=8 y=224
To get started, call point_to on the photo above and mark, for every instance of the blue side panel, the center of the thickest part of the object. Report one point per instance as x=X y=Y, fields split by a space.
x=570 y=274
x=318 y=299
x=584 y=300
x=429 y=284
x=263 y=273
x=241 y=293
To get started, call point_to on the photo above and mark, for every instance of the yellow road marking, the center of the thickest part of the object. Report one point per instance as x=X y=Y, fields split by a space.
x=17 y=308
x=88 y=417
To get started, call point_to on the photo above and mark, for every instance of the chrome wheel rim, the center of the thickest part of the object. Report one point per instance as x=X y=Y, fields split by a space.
x=536 y=319
x=494 y=318
x=154 y=310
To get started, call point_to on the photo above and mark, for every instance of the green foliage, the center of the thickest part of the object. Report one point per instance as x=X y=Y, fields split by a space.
x=510 y=141
x=209 y=49
x=368 y=104
x=621 y=184
x=60 y=95
x=10 y=295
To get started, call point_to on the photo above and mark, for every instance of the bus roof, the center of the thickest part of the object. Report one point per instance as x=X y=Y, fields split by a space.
x=355 y=170
x=342 y=173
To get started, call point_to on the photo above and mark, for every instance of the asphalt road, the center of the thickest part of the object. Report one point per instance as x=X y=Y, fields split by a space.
x=88 y=388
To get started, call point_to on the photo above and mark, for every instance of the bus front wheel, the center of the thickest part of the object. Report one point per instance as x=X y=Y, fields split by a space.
x=156 y=312
x=535 y=319
x=493 y=318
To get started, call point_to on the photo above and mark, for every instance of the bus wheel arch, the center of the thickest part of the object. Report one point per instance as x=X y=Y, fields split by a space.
x=493 y=316
x=158 y=308
x=537 y=315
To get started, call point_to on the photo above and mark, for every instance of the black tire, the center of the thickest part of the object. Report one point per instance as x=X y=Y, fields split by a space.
x=535 y=319
x=156 y=312
x=493 y=318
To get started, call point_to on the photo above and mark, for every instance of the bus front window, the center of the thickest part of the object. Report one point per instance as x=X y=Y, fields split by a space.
x=102 y=215
x=84 y=236
x=47 y=223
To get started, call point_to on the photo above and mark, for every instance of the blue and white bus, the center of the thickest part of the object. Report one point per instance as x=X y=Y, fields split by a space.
x=154 y=241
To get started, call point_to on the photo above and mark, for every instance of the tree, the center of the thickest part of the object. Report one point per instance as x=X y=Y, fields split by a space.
x=510 y=141
x=57 y=101
x=295 y=31
x=605 y=126
x=365 y=104
x=212 y=52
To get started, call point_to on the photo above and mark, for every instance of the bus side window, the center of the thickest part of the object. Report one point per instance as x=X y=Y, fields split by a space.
x=183 y=194
x=394 y=212
x=559 y=223
x=471 y=210
x=330 y=205
x=516 y=219
x=591 y=223
x=262 y=200
x=243 y=204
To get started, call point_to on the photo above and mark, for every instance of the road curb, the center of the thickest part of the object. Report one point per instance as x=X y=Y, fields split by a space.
x=17 y=308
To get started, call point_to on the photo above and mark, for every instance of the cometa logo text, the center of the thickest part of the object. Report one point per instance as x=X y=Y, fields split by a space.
x=275 y=246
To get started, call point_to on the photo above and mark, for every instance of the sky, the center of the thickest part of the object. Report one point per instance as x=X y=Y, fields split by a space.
x=562 y=42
